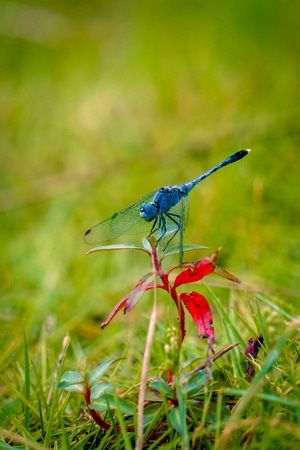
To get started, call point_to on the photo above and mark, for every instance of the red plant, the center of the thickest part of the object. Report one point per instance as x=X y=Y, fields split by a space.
x=195 y=303
x=101 y=396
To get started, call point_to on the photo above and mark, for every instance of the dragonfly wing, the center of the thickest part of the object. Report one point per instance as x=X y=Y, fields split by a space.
x=181 y=212
x=177 y=218
x=185 y=208
x=127 y=221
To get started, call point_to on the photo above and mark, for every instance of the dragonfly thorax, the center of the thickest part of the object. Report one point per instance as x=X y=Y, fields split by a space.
x=164 y=199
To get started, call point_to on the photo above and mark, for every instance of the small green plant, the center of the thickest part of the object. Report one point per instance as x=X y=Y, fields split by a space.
x=98 y=395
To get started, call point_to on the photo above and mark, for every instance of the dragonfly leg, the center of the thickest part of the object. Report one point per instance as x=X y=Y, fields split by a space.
x=159 y=226
x=154 y=228
x=177 y=220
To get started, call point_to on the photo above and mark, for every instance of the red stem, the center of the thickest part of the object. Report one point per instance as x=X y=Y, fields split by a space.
x=97 y=417
x=95 y=414
x=172 y=291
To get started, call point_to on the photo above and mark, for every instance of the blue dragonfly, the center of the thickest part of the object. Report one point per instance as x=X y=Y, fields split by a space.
x=162 y=213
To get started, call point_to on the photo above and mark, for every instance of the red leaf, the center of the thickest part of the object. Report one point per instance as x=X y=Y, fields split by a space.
x=131 y=299
x=199 y=309
x=224 y=274
x=251 y=351
x=117 y=308
x=196 y=270
x=145 y=283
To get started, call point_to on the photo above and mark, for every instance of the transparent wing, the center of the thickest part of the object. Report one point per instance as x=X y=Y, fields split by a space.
x=175 y=220
x=127 y=221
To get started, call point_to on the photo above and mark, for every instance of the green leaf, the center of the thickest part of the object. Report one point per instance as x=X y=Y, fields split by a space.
x=152 y=414
x=100 y=389
x=110 y=402
x=193 y=385
x=185 y=248
x=102 y=248
x=4 y=446
x=163 y=388
x=71 y=381
x=176 y=419
x=99 y=371
x=147 y=245
x=178 y=416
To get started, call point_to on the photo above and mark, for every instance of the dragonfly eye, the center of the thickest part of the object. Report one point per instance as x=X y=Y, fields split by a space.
x=148 y=211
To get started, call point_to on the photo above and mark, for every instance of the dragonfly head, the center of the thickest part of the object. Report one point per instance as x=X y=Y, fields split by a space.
x=148 y=211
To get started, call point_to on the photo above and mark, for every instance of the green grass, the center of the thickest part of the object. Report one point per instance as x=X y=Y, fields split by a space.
x=102 y=102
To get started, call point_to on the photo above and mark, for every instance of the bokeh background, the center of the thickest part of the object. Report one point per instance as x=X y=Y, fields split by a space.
x=104 y=101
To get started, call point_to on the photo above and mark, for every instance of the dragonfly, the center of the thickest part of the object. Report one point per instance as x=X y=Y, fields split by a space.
x=162 y=213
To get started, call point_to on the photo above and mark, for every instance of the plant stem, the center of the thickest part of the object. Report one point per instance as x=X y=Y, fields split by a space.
x=149 y=340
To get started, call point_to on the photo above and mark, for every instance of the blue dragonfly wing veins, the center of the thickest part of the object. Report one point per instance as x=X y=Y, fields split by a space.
x=124 y=222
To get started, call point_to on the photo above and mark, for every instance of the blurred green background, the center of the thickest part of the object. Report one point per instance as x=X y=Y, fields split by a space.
x=104 y=101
